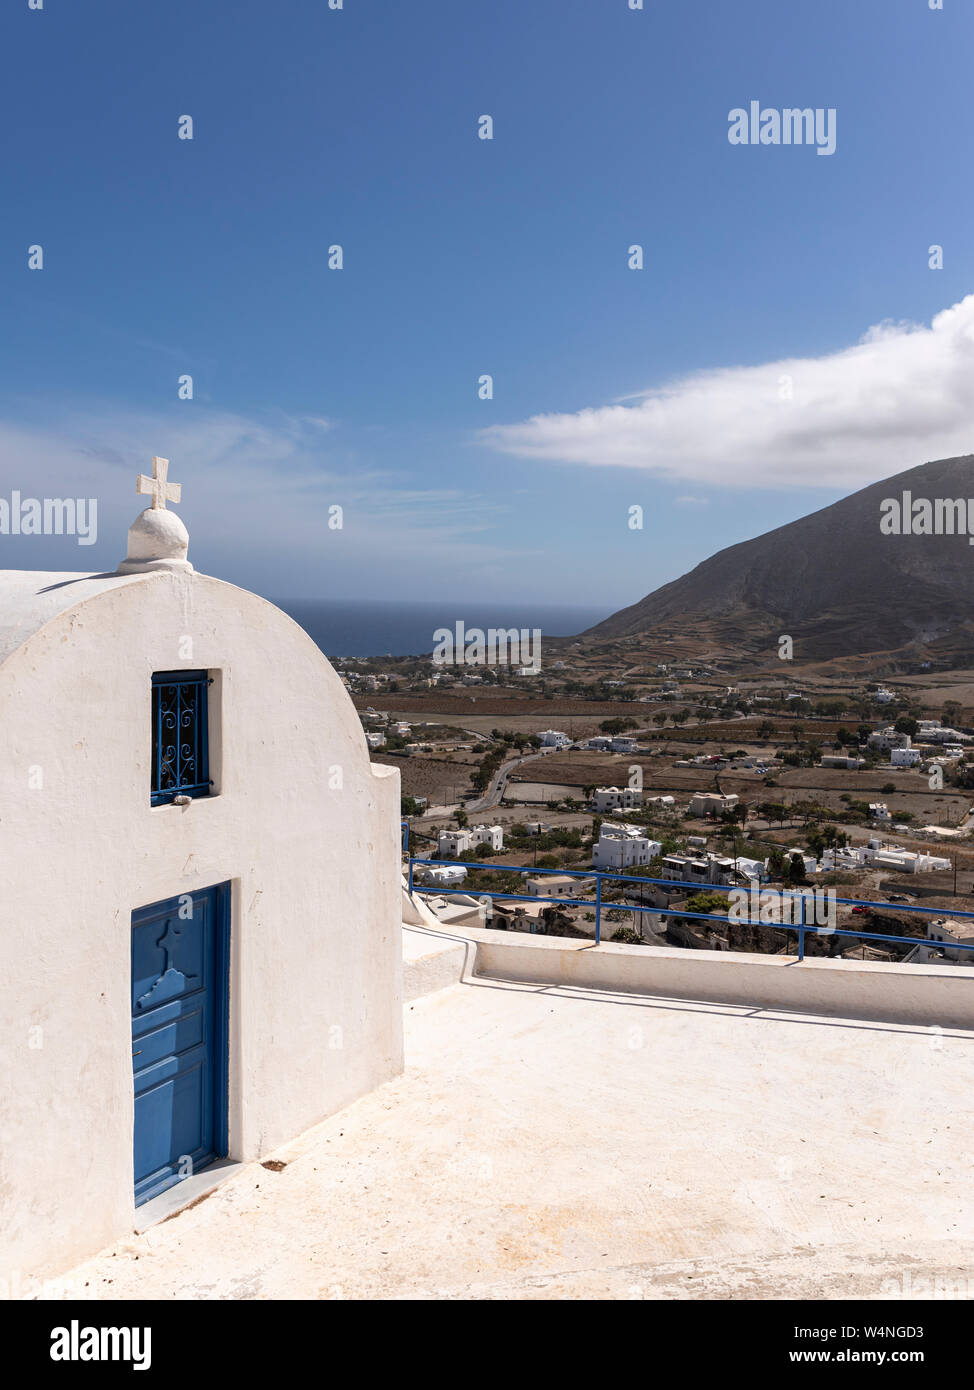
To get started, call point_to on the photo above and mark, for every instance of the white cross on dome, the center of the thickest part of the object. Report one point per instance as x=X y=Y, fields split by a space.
x=158 y=486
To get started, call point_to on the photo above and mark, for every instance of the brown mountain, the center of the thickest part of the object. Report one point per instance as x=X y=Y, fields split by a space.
x=831 y=580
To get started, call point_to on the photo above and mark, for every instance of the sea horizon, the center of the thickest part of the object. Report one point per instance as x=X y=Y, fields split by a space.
x=374 y=627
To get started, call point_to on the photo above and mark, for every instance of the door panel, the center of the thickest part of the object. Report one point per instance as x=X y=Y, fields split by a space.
x=179 y=1037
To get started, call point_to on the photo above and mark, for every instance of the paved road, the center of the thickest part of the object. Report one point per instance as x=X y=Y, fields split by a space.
x=498 y=783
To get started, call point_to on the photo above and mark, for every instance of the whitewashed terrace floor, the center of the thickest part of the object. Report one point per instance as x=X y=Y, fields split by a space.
x=559 y=1143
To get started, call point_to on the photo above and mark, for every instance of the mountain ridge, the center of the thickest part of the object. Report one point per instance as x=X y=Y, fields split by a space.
x=831 y=580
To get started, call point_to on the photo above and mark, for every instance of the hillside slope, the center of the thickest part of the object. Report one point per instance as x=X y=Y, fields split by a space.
x=831 y=580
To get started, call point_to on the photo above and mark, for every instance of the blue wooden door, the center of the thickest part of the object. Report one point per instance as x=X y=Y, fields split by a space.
x=180 y=960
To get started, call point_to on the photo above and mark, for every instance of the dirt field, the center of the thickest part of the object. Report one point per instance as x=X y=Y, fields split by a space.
x=455 y=707
x=437 y=779
x=824 y=785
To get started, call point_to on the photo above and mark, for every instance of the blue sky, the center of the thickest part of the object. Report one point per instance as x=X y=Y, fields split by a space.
x=359 y=387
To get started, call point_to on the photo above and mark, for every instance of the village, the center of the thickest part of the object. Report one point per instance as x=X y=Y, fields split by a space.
x=862 y=793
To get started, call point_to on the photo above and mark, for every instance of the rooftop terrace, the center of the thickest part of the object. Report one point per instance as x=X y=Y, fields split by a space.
x=554 y=1141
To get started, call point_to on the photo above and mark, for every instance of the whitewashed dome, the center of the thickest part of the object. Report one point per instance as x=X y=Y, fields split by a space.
x=158 y=540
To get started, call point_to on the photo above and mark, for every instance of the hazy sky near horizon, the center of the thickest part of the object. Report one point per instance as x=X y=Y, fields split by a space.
x=785 y=343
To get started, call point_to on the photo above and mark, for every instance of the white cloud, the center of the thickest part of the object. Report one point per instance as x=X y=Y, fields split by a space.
x=902 y=395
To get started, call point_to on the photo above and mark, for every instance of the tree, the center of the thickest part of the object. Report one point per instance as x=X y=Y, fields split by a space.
x=826 y=837
x=776 y=863
x=707 y=902
x=830 y=708
x=796 y=869
x=460 y=816
x=906 y=725
x=617 y=726
x=627 y=936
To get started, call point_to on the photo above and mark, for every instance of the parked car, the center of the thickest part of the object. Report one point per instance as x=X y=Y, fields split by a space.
x=860 y=911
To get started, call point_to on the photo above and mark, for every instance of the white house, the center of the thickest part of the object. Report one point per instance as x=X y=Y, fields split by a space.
x=201 y=955
x=445 y=875
x=376 y=740
x=883 y=696
x=611 y=798
x=905 y=757
x=878 y=810
x=945 y=735
x=887 y=738
x=847 y=857
x=451 y=844
x=624 y=745
x=886 y=856
x=711 y=803
x=953 y=933
x=557 y=886
x=554 y=738
x=492 y=835
x=683 y=868
x=622 y=846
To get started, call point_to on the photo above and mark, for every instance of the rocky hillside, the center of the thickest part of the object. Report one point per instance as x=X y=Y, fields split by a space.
x=831 y=580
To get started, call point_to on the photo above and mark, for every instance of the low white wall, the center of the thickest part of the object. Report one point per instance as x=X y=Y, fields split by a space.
x=923 y=995
x=433 y=961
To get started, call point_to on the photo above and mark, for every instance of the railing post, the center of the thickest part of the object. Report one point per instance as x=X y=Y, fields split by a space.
x=801 y=926
x=410 y=876
x=598 y=908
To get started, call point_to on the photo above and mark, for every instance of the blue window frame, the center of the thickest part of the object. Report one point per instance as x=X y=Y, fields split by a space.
x=180 y=735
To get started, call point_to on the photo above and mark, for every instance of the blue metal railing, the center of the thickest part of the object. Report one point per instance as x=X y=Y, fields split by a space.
x=802 y=927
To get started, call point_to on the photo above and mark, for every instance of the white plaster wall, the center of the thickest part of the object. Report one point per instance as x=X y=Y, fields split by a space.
x=316 y=967
x=921 y=995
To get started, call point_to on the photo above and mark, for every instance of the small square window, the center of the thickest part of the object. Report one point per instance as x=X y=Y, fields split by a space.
x=180 y=735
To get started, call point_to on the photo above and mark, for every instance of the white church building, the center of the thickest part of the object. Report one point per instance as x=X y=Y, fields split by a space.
x=200 y=907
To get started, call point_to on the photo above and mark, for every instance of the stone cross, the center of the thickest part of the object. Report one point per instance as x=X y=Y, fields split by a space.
x=160 y=489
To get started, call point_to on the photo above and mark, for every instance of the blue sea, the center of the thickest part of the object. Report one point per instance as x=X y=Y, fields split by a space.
x=365 y=627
